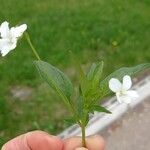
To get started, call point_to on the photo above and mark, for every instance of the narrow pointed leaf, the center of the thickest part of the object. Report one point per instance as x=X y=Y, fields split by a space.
x=92 y=80
x=80 y=104
x=70 y=120
x=95 y=73
x=99 y=109
x=56 y=79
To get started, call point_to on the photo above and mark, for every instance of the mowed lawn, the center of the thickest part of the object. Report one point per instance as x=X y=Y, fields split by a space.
x=111 y=30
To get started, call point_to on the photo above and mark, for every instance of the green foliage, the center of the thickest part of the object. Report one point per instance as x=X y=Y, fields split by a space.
x=91 y=88
x=56 y=79
x=80 y=106
x=70 y=120
x=90 y=82
x=95 y=73
x=62 y=85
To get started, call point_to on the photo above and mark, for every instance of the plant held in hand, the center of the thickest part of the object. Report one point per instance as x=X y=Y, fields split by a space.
x=92 y=85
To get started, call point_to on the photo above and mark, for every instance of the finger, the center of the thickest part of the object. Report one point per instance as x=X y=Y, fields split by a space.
x=92 y=143
x=95 y=143
x=35 y=140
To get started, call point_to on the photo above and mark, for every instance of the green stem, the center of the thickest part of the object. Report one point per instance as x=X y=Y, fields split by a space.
x=83 y=136
x=31 y=45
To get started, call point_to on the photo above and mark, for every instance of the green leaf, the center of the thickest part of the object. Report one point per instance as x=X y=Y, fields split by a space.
x=91 y=82
x=70 y=120
x=95 y=73
x=86 y=119
x=80 y=104
x=56 y=79
x=119 y=74
x=99 y=109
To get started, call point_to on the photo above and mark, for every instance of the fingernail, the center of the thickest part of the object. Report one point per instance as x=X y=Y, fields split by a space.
x=81 y=148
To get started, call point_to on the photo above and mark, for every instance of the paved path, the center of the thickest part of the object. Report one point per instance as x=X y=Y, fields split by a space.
x=132 y=132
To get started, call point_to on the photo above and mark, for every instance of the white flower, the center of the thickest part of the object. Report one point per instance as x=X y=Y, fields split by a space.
x=9 y=37
x=122 y=89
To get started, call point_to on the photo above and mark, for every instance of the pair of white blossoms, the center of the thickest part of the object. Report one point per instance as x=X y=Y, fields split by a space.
x=8 y=42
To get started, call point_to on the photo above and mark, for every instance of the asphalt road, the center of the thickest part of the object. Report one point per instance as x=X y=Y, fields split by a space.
x=132 y=131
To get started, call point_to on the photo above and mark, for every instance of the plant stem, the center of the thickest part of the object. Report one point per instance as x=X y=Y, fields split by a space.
x=31 y=45
x=83 y=136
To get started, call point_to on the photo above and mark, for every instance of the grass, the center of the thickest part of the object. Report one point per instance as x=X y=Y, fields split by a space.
x=114 y=31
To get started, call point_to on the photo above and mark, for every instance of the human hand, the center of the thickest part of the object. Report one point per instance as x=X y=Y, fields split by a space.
x=39 y=140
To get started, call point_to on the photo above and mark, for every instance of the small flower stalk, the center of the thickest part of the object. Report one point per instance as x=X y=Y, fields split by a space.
x=92 y=87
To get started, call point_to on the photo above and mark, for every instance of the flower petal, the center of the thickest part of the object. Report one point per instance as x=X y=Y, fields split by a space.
x=18 y=31
x=118 y=97
x=115 y=85
x=126 y=99
x=127 y=83
x=4 y=29
x=6 y=46
x=132 y=93
x=3 y=43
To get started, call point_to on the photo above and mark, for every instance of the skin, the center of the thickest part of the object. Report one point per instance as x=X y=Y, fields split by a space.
x=39 y=140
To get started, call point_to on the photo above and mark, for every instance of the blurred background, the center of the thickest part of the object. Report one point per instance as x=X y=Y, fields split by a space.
x=114 y=31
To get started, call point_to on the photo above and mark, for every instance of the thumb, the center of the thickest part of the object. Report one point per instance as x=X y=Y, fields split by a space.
x=36 y=140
